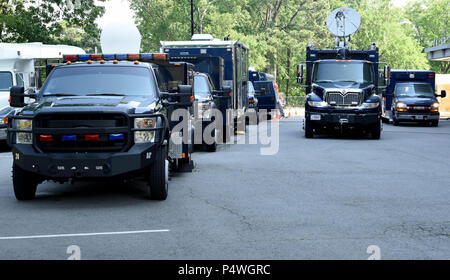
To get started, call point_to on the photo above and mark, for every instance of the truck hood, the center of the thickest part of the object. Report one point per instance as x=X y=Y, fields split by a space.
x=416 y=100
x=126 y=104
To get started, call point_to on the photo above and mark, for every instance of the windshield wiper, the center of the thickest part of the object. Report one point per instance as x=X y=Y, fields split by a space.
x=60 y=94
x=424 y=96
x=323 y=81
x=105 y=94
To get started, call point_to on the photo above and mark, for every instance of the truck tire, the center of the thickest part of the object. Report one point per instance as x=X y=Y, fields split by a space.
x=158 y=176
x=435 y=123
x=395 y=122
x=309 y=132
x=24 y=183
x=376 y=131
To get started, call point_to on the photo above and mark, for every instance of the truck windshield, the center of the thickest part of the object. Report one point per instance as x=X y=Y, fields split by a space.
x=414 y=90
x=201 y=87
x=6 y=81
x=101 y=80
x=328 y=72
x=264 y=88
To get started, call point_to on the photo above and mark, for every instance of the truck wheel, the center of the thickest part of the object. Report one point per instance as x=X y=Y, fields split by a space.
x=435 y=123
x=158 y=176
x=24 y=183
x=395 y=121
x=309 y=132
x=376 y=131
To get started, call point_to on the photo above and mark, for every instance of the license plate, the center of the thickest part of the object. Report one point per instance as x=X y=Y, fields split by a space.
x=419 y=117
x=315 y=117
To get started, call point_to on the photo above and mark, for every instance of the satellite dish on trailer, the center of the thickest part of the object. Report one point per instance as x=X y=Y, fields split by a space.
x=343 y=22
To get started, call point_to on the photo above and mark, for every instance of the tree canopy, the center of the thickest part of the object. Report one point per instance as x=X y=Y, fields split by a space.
x=277 y=31
x=51 y=21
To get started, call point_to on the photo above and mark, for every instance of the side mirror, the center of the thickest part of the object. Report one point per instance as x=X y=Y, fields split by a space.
x=300 y=73
x=443 y=94
x=387 y=75
x=185 y=89
x=17 y=97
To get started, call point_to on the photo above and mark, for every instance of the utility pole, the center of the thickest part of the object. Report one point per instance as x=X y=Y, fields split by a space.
x=192 y=17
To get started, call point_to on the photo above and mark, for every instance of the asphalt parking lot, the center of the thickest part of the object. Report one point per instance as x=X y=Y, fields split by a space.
x=322 y=198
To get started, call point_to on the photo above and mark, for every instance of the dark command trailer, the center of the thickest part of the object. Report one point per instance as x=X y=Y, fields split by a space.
x=100 y=117
x=236 y=62
x=342 y=85
x=411 y=97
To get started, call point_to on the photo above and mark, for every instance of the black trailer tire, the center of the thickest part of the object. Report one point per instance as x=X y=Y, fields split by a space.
x=309 y=132
x=24 y=184
x=157 y=176
x=376 y=131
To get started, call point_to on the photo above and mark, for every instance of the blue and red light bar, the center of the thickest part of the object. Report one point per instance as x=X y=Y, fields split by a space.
x=128 y=57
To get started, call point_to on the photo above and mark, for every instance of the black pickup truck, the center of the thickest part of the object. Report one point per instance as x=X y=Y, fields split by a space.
x=97 y=117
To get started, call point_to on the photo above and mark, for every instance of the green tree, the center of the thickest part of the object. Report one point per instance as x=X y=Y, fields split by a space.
x=430 y=21
x=50 y=21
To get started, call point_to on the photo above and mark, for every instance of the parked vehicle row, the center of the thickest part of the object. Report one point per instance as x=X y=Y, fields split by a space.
x=117 y=116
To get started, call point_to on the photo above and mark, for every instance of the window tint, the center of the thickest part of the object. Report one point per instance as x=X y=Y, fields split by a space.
x=264 y=88
x=201 y=87
x=414 y=90
x=128 y=80
x=343 y=72
x=6 y=81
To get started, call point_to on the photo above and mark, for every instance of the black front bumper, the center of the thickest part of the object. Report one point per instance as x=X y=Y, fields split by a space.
x=417 y=116
x=84 y=165
x=332 y=119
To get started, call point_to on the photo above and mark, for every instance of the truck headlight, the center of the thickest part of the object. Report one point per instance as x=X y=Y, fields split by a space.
x=24 y=137
x=317 y=103
x=371 y=105
x=400 y=105
x=144 y=136
x=435 y=107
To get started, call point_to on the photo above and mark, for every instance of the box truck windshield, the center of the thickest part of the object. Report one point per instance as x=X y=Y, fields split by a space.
x=414 y=90
x=329 y=72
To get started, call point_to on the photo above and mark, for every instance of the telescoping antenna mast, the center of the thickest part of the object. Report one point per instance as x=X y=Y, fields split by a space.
x=342 y=23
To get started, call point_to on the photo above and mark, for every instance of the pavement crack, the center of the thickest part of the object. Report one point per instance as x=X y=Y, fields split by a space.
x=242 y=218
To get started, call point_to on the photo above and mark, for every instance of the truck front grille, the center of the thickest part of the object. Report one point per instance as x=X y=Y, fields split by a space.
x=70 y=132
x=341 y=99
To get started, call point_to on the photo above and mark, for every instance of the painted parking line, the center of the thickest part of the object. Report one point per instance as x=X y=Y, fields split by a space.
x=83 y=234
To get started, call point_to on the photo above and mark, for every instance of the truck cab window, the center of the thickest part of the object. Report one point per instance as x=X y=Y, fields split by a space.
x=6 y=81
x=414 y=90
x=19 y=79
x=92 y=80
x=328 y=72
x=201 y=87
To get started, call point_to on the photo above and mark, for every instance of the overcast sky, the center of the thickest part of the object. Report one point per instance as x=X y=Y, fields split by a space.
x=120 y=10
